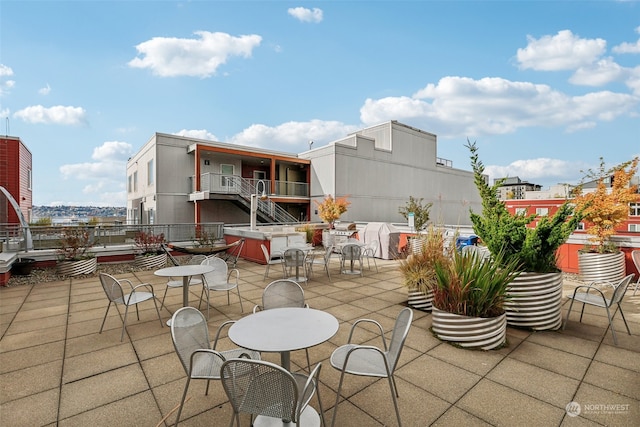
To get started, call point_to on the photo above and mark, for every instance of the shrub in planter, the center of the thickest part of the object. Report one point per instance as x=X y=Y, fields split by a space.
x=418 y=269
x=469 y=299
x=74 y=255
x=150 y=251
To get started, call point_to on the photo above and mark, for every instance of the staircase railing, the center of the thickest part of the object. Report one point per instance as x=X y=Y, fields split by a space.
x=267 y=207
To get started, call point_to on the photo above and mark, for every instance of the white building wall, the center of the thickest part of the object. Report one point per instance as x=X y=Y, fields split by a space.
x=379 y=175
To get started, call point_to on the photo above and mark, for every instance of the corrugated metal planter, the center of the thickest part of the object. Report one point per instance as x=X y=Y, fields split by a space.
x=470 y=332
x=536 y=301
x=420 y=300
x=596 y=267
x=75 y=268
x=149 y=262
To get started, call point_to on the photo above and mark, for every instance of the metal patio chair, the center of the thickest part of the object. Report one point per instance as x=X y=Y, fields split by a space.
x=283 y=293
x=294 y=260
x=272 y=394
x=591 y=295
x=220 y=279
x=270 y=259
x=320 y=259
x=200 y=360
x=369 y=252
x=351 y=254
x=116 y=294
x=371 y=361
x=233 y=253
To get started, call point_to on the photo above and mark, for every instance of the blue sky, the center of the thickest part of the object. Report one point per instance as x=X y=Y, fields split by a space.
x=545 y=88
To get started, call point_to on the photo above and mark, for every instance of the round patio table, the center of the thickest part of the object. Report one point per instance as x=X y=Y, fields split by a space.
x=184 y=271
x=282 y=330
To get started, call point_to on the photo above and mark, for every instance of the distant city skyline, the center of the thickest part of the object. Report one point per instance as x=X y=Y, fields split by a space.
x=545 y=88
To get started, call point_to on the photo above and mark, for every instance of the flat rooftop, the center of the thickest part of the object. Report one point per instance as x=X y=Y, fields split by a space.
x=56 y=370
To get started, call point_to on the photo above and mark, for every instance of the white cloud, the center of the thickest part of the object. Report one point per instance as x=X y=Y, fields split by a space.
x=306 y=15
x=58 y=114
x=45 y=90
x=564 y=51
x=599 y=73
x=292 y=134
x=533 y=170
x=104 y=173
x=5 y=83
x=628 y=47
x=198 y=57
x=461 y=106
x=197 y=133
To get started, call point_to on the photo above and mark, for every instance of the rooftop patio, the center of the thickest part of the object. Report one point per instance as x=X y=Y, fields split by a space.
x=55 y=369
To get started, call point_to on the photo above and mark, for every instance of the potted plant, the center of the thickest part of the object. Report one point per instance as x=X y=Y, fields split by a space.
x=537 y=292
x=419 y=212
x=150 y=253
x=74 y=255
x=469 y=299
x=418 y=269
x=329 y=210
x=603 y=209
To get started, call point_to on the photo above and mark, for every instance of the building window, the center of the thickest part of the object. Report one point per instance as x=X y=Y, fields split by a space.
x=542 y=211
x=150 y=174
x=226 y=171
x=135 y=181
x=634 y=228
x=634 y=209
x=29 y=178
x=580 y=226
x=521 y=211
x=129 y=184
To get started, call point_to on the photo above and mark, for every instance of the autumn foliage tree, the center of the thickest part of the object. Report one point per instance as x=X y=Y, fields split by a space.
x=330 y=209
x=608 y=206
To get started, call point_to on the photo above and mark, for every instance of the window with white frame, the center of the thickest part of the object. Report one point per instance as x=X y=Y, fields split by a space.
x=129 y=184
x=634 y=209
x=29 y=178
x=634 y=228
x=226 y=171
x=580 y=226
x=521 y=211
x=135 y=181
x=542 y=211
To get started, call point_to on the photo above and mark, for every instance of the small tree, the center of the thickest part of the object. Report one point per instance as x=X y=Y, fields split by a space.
x=330 y=209
x=606 y=208
x=420 y=212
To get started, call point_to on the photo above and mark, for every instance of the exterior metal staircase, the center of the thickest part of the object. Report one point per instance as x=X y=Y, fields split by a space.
x=266 y=208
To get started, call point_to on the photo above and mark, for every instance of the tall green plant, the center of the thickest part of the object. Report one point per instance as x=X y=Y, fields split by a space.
x=469 y=286
x=533 y=249
x=418 y=270
x=420 y=212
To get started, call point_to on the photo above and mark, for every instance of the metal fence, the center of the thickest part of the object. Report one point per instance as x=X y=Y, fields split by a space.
x=104 y=235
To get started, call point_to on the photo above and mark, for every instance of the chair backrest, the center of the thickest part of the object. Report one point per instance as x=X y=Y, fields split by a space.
x=282 y=293
x=260 y=388
x=173 y=259
x=220 y=271
x=234 y=254
x=197 y=259
x=265 y=252
x=351 y=251
x=112 y=288
x=189 y=332
x=293 y=257
x=620 y=289
x=398 y=336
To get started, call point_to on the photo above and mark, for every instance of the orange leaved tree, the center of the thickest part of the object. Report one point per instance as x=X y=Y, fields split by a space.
x=608 y=206
x=330 y=209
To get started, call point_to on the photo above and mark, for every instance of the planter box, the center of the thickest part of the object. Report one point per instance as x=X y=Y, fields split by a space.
x=595 y=267
x=74 y=268
x=149 y=262
x=23 y=266
x=470 y=332
x=420 y=300
x=536 y=301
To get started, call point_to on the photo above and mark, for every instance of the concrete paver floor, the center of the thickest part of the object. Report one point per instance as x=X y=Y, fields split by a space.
x=56 y=370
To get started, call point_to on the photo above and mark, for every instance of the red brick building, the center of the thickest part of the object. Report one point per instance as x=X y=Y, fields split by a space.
x=16 y=178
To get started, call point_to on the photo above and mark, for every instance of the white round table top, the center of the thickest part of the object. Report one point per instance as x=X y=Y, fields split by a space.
x=184 y=270
x=283 y=329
